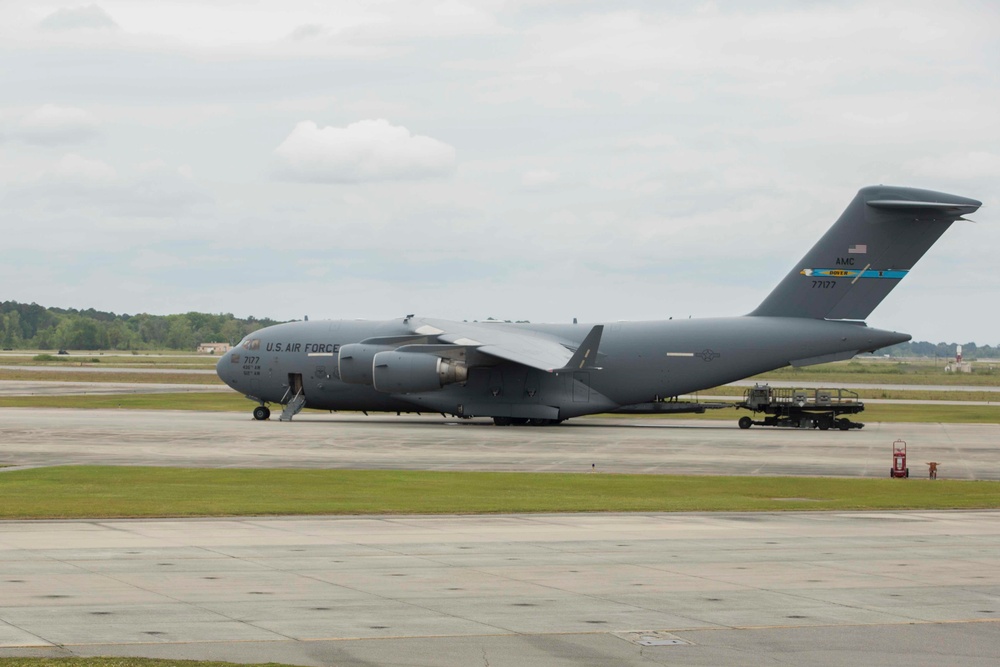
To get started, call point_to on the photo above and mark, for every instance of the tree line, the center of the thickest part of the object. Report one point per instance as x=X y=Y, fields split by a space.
x=30 y=326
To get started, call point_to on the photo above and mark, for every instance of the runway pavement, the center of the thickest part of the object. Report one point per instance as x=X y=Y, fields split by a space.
x=825 y=588
x=895 y=588
x=35 y=437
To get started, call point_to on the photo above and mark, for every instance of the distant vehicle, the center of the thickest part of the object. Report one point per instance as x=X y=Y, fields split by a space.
x=62 y=352
x=801 y=408
x=546 y=373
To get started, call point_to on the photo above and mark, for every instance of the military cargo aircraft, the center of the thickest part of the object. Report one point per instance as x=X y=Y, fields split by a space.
x=542 y=374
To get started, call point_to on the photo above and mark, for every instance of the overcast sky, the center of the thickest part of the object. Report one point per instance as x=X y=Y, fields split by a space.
x=521 y=160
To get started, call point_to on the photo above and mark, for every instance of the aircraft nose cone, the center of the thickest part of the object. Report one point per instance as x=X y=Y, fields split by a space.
x=224 y=367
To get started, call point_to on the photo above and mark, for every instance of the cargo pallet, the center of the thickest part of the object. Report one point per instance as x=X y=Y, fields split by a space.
x=801 y=408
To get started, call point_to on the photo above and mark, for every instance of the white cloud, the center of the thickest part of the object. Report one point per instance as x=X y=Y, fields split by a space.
x=680 y=144
x=280 y=30
x=51 y=125
x=88 y=188
x=785 y=53
x=649 y=142
x=537 y=179
x=73 y=18
x=74 y=168
x=970 y=166
x=368 y=150
x=147 y=260
x=307 y=31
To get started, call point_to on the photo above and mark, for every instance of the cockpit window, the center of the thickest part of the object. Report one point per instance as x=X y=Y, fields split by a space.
x=251 y=344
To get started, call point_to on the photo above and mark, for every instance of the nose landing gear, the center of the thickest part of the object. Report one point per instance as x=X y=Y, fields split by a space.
x=261 y=412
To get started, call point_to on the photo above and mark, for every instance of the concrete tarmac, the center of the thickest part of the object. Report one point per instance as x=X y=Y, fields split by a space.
x=828 y=588
x=824 y=588
x=40 y=437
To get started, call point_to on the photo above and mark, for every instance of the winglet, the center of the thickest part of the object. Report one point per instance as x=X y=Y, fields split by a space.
x=586 y=354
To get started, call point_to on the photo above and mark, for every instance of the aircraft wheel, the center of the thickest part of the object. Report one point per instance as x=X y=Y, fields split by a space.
x=502 y=421
x=745 y=422
x=519 y=421
x=260 y=413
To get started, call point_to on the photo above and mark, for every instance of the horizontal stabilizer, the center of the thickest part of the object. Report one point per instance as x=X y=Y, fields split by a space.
x=904 y=205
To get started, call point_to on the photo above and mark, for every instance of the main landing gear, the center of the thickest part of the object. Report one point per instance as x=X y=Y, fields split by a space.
x=261 y=412
x=523 y=421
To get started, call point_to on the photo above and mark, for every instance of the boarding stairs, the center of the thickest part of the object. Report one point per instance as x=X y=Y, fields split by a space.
x=293 y=407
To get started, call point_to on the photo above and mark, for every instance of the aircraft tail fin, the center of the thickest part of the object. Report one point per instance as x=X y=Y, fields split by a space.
x=873 y=245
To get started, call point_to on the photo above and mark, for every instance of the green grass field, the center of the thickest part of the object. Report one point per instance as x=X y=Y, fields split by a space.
x=69 y=375
x=888 y=371
x=106 y=492
x=152 y=359
x=121 y=662
x=205 y=401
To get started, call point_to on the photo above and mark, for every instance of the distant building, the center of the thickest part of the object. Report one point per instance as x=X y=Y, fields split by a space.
x=213 y=348
x=958 y=366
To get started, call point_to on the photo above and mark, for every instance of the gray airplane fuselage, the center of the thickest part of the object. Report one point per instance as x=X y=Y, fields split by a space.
x=639 y=363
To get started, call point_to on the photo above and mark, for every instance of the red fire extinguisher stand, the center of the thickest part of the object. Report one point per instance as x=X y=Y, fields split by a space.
x=899 y=468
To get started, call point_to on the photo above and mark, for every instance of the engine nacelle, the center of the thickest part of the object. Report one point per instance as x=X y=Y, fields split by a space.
x=355 y=362
x=415 y=372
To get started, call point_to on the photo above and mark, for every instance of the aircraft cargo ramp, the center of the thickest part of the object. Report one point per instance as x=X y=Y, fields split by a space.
x=801 y=408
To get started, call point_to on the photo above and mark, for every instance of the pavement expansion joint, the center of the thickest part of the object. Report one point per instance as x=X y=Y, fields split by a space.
x=651 y=638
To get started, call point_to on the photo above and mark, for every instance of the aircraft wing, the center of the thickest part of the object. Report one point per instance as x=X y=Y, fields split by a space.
x=546 y=360
x=527 y=348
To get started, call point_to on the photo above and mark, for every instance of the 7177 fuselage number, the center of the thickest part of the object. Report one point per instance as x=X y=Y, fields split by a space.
x=251 y=365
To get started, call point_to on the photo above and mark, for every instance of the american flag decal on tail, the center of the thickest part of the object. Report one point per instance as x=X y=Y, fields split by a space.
x=859 y=249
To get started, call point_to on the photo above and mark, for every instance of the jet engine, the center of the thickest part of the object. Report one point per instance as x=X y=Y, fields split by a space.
x=355 y=361
x=414 y=372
